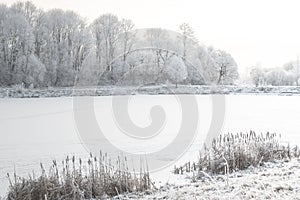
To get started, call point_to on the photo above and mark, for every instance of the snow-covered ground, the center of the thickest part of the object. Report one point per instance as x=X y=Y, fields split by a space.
x=273 y=180
x=18 y=92
x=42 y=129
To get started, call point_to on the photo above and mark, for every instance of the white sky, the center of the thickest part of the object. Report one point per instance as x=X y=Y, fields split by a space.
x=253 y=31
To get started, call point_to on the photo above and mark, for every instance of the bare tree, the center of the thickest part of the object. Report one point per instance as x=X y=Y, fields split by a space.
x=187 y=37
x=159 y=39
x=128 y=37
x=106 y=31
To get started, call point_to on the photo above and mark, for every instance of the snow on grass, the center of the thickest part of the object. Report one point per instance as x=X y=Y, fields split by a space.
x=272 y=180
x=208 y=178
x=146 y=90
x=99 y=178
x=229 y=152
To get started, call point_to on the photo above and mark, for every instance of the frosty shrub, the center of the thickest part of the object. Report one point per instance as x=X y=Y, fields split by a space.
x=97 y=179
x=231 y=152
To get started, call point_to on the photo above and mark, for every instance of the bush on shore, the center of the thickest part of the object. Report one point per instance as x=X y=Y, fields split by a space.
x=98 y=179
x=231 y=152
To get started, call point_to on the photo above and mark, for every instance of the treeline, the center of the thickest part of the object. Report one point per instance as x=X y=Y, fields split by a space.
x=287 y=75
x=58 y=48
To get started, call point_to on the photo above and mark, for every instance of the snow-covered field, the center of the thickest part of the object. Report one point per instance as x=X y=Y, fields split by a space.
x=42 y=129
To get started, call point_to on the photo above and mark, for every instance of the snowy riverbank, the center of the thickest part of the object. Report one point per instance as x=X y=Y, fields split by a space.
x=18 y=92
x=273 y=180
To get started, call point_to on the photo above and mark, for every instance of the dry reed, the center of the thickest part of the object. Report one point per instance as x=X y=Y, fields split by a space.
x=231 y=152
x=97 y=179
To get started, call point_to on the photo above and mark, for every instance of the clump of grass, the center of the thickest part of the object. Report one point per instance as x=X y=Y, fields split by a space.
x=96 y=179
x=232 y=152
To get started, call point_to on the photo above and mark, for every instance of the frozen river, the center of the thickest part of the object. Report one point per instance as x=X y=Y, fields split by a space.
x=40 y=130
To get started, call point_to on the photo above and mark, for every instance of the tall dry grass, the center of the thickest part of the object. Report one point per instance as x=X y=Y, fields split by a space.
x=97 y=179
x=231 y=152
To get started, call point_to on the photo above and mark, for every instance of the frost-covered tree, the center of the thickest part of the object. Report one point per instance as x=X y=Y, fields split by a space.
x=34 y=17
x=28 y=10
x=257 y=76
x=225 y=66
x=90 y=73
x=206 y=67
x=18 y=62
x=127 y=37
x=293 y=70
x=176 y=70
x=187 y=38
x=288 y=74
x=106 y=31
x=67 y=44
x=160 y=41
x=277 y=77
x=4 y=54
x=157 y=37
x=57 y=48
